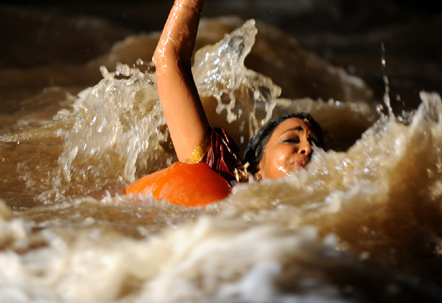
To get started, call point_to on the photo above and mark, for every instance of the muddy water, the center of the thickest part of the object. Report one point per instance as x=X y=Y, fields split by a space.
x=361 y=223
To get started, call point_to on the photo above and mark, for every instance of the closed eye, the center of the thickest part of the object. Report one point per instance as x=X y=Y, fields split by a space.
x=292 y=140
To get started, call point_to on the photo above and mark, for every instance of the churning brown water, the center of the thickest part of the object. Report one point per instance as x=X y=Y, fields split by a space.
x=361 y=223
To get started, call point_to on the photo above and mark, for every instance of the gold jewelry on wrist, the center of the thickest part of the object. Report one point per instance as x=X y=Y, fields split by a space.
x=187 y=7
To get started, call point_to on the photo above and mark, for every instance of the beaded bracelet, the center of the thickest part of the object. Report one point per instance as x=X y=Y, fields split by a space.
x=187 y=7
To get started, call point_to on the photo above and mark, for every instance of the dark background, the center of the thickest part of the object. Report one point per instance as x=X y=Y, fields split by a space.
x=347 y=33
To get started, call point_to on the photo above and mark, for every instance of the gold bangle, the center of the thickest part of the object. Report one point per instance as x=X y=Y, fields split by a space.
x=201 y=150
x=187 y=7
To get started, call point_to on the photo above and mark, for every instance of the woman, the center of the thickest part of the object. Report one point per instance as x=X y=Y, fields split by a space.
x=281 y=146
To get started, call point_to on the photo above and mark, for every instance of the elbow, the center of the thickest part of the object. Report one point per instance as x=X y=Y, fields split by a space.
x=164 y=57
x=166 y=51
x=169 y=53
x=169 y=61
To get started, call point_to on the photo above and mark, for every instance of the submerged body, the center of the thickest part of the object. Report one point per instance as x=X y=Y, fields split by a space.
x=285 y=147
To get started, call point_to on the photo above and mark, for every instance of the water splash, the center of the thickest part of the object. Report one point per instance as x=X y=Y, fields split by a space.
x=117 y=127
x=386 y=97
x=219 y=72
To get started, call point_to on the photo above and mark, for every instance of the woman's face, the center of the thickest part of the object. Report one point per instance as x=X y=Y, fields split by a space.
x=288 y=149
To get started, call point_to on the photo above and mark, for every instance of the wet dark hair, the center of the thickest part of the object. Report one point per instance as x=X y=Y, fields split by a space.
x=255 y=147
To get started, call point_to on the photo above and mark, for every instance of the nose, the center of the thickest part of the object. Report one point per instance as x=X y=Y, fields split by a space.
x=305 y=148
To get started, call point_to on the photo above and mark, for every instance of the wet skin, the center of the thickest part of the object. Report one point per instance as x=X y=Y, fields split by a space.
x=288 y=149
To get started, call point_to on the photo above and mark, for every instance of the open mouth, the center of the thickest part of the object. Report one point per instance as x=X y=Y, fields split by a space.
x=299 y=164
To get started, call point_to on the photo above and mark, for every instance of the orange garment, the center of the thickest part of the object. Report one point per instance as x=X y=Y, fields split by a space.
x=204 y=177
x=183 y=184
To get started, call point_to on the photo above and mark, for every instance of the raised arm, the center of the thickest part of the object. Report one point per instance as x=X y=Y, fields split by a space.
x=181 y=104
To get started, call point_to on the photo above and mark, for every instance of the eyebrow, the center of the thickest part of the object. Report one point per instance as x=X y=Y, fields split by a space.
x=298 y=128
